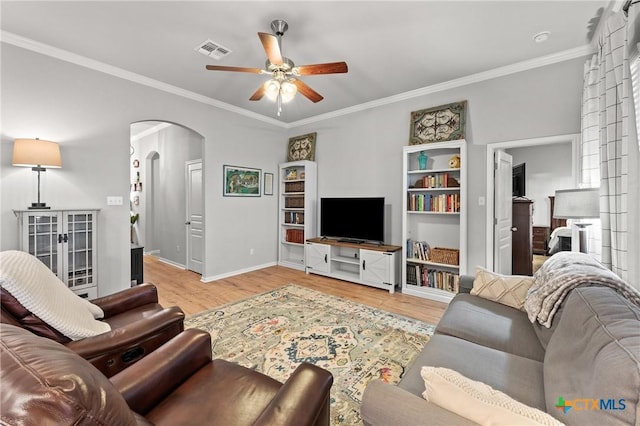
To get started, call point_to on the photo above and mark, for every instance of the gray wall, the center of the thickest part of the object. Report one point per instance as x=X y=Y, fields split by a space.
x=548 y=168
x=89 y=113
x=175 y=145
x=361 y=153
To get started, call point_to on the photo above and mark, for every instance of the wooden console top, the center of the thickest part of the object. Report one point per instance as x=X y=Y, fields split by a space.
x=366 y=246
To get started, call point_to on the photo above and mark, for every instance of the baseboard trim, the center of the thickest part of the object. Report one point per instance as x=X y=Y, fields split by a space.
x=238 y=272
x=172 y=263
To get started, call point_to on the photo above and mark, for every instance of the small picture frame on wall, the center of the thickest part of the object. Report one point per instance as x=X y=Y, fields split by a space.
x=136 y=163
x=268 y=184
x=241 y=181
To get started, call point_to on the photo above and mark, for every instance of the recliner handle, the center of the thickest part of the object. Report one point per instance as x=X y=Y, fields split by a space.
x=133 y=354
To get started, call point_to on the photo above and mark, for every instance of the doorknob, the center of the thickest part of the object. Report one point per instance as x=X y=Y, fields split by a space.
x=187 y=223
x=514 y=229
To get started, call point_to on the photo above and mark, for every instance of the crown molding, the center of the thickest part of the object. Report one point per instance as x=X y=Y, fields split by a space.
x=35 y=46
x=458 y=82
x=64 y=55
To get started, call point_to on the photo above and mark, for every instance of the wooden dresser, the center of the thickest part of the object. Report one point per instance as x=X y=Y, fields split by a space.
x=522 y=237
x=540 y=239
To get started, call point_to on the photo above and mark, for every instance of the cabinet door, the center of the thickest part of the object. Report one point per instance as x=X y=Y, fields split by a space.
x=376 y=267
x=79 y=228
x=42 y=237
x=317 y=257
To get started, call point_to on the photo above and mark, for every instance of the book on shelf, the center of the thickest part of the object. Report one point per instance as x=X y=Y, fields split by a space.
x=441 y=203
x=423 y=276
x=418 y=250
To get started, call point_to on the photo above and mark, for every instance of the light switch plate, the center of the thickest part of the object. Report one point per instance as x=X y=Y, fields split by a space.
x=114 y=201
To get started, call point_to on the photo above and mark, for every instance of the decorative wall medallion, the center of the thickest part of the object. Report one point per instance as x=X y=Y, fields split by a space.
x=302 y=147
x=438 y=124
x=136 y=163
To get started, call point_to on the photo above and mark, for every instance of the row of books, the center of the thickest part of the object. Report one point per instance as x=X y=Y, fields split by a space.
x=442 y=203
x=422 y=276
x=439 y=180
x=294 y=217
x=418 y=250
x=294 y=236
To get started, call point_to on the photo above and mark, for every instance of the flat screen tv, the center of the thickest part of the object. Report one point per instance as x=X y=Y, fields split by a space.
x=519 y=180
x=356 y=219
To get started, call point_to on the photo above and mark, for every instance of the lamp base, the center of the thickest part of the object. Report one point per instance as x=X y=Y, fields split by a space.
x=39 y=206
x=582 y=234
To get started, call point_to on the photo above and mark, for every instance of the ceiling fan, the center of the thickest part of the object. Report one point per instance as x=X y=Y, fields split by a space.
x=283 y=85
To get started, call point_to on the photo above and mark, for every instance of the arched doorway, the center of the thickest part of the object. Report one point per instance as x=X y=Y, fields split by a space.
x=160 y=153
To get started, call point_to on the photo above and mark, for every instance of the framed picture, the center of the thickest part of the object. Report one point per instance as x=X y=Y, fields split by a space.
x=302 y=147
x=438 y=124
x=268 y=184
x=241 y=181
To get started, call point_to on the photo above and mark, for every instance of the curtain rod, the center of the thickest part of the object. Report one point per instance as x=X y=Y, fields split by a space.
x=627 y=5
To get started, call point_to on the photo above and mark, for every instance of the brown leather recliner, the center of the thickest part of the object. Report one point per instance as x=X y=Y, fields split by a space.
x=178 y=384
x=138 y=326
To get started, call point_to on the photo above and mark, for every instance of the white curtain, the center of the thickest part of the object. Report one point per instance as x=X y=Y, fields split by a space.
x=606 y=119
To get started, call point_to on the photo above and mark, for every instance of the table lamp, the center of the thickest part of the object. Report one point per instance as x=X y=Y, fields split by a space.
x=577 y=203
x=39 y=155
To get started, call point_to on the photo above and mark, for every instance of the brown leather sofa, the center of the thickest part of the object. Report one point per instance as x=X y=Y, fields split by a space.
x=178 y=384
x=138 y=323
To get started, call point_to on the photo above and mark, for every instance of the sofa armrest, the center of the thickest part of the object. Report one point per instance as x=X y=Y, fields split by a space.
x=302 y=400
x=150 y=380
x=384 y=404
x=128 y=299
x=465 y=283
x=113 y=351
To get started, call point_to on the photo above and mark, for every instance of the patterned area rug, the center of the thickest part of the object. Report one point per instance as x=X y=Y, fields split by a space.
x=275 y=331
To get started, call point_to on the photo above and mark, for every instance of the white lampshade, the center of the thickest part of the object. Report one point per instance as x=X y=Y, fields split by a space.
x=272 y=87
x=288 y=90
x=577 y=203
x=36 y=152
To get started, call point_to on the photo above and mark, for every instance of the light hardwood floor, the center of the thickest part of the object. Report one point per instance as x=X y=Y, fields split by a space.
x=184 y=289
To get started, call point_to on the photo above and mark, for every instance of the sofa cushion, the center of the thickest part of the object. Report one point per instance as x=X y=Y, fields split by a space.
x=518 y=377
x=510 y=290
x=491 y=324
x=594 y=355
x=478 y=401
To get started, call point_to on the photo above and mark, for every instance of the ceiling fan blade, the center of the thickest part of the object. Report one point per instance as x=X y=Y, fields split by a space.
x=235 y=69
x=258 y=94
x=328 y=68
x=271 y=48
x=307 y=91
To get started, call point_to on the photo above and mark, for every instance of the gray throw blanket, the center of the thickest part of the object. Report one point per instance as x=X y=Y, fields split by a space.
x=563 y=272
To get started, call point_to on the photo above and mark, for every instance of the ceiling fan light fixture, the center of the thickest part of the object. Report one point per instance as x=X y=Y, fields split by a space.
x=288 y=91
x=271 y=89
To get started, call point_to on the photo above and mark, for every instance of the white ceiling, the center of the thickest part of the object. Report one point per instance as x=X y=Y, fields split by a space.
x=391 y=47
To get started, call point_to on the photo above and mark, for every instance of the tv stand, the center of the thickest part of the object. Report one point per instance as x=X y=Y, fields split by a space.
x=372 y=264
x=349 y=240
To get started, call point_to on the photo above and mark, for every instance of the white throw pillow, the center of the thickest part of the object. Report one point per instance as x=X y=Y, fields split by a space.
x=510 y=290
x=478 y=401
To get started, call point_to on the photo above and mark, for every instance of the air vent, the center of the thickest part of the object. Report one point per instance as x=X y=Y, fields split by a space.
x=212 y=49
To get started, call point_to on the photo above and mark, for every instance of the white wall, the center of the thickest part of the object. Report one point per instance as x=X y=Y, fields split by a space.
x=89 y=114
x=361 y=153
x=547 y=169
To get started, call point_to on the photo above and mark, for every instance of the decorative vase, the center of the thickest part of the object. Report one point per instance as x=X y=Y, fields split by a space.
x=422 y=160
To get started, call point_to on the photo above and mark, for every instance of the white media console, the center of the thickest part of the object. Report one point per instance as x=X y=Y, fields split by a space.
x=368 y=264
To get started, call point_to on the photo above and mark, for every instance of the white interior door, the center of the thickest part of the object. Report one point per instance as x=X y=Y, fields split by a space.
x=195 y=216
x=503 y=212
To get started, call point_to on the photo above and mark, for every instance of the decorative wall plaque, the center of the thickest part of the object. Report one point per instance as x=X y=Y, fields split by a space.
x=302 y=147
x=438 y=124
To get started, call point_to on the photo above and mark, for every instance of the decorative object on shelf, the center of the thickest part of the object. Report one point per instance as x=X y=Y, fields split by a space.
x=438 y=124
x=241 y=181
x=133 y=218
x=302 y=147
x=454 y=161
x=39 y=155
x=291 y=174
x=136 y=200
x=422 y=160
x=136 y=163
x=268 y=184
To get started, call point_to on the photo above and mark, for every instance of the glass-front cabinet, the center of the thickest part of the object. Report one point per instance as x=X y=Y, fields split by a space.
x=65 y=241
